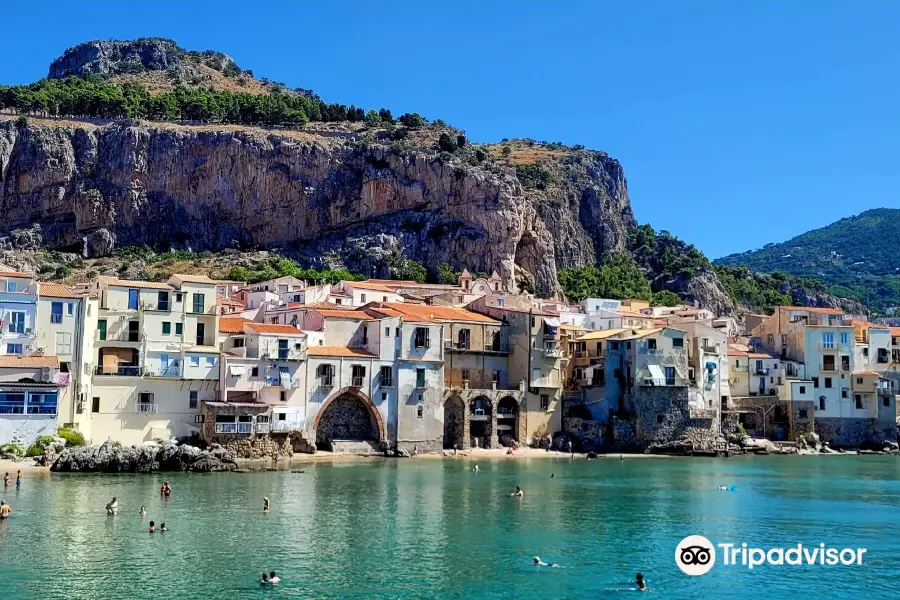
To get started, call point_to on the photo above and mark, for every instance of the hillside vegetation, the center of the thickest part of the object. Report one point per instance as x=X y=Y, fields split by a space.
x=857 y=257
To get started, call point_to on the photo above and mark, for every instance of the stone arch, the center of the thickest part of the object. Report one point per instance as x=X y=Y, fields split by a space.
x=348 y=414
x=508 y=420
x=454 y=423
x=481 y=422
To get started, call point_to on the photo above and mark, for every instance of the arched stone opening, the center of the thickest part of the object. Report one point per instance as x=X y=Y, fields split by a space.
x=454 y=423
x=480 y=422
x=347 y=416
x=508 y=421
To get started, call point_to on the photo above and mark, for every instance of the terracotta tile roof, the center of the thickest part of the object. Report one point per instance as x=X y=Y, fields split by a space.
x=14 y=274
x=600 y=335
x=272 y=328
x=130 y=283
x=338 y=351
x=194 y=278
x=392 y=282
x=437 y=313
x=227 y=302
x=814 y=309
x=316 y=306
x=232 y=324
x=365 y=285
x=28 y=362
x=345 y=314
x=895 y=331
x=867 y=372
x=55 y=290
x=641 y=333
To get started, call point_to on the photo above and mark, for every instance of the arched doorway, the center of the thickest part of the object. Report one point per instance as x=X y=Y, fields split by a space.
x=480 y=425
x=508 y=421
x=346 y=417
x=454 y=422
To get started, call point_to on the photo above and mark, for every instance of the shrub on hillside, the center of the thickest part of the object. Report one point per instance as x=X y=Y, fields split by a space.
x=72 y=437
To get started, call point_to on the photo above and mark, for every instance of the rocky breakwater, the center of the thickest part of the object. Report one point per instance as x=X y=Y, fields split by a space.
x=169 y=456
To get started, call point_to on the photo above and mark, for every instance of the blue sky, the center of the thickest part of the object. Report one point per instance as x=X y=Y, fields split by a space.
x=738 y=123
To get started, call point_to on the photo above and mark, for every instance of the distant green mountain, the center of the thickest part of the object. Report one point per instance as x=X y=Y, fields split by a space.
x=857 y=257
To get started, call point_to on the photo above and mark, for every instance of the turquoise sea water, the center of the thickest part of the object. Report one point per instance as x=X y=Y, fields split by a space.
x=435 y=529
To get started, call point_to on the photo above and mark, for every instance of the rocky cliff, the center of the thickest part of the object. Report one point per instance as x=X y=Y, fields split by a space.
x=350 y=196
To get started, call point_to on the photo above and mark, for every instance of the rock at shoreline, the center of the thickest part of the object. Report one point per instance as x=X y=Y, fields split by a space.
x=170 y=456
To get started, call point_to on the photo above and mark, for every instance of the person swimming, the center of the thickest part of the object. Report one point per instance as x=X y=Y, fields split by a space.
x=539 y=563
x=475 y=468
x=4 y=510
x=162 y=527
x=152 y=527
x=264 y=579
x=112 y=508
x=640 y=583
x=143 y=512
x=274 y=579
x=265 y=504
x=518 y=493
x=552 y=475
x=166 y=489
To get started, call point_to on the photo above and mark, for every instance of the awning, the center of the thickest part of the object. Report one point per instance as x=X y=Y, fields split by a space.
x=552 y=321
x=237 y=370
x=657 y=375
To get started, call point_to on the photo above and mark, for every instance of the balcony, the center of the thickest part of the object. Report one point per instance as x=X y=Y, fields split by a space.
x=553 y=352
x=828 y=368
x=143 y=407
x=668 y=382
x=283 y=426
x=170 y=371
x=709 y=347
x=451 y=346
x=120 y=371
x=226 y=427
x=133 y=337
x=357 y=381
x=262 y=428
x=245 y=427
x=760 y=371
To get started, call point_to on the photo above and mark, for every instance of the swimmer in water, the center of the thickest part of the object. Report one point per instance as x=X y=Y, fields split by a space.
x=539 y=563
x=152 y=527
x=18 y=479
x=475 y=468
x=264 y=579
x=162 y=527
x=6 y=480
x=552 y=475
x=640 y=583
x=143 y=512
x=4 y=510
x=274 y=579
x=518 y=493
x=265 y=505
x=722 y=488
x=112 y=508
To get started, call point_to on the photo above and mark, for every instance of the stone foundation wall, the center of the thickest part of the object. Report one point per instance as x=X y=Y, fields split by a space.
x=701 y=433
x=274 y=446
x=624 y=434
x=421 y=446
x=802 y=425
x=849 y=432
x=589 y=435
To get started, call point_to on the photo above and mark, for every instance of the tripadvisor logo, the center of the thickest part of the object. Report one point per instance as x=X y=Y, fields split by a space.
x=696 y=555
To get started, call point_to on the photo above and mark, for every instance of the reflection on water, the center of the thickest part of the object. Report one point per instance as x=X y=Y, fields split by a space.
x=435 y=529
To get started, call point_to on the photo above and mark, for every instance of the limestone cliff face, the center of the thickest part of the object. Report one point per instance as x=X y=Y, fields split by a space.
x=351 y=199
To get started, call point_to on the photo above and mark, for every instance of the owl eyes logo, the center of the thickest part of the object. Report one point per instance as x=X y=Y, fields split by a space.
x=695 y=555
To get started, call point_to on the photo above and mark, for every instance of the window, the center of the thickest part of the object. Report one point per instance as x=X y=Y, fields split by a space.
x=254 y=372
x=463 y=339
x=828 y=382
x=101 y=329
x=12 y=403
x=193 y=401
x=95 y=404
x=283 y=349
x=384 y=298
x=815 y=381
x=886 y=401
x=198 y=419
x=365 y=334
x=545 y=401
x=535 y=375
x=358 y=373
x=859 y=380
x=14 y=348
x=802 y=413
x=11 y=287
x=383 y=396
x=420 y=378
x=678 y=342
x=283 y=396
x=362 y=298
x=821 y=402
x=166 y=328
x=387 y=377
x=420 y=411
x=802 y=389
x=465 y=374
x=237 y=343
x=843 y=338
x=651 y=344
x=17 y=322
x=845 y=393
x=132 y=299
x=628 y=345
x=56 y=312
x=198 y=303
x=828 y=341
x=42 y=404
x=387 y=332
x=422 y=338
x=858 y=399
x=162 y=301
x=177 y=296
x=179 y=328
x=865 y=352
x=195 y=361
x=397 y=332
x=495 y=377
x=210 y=361
x=670 y=375
x=659 y=418
x=63 y=342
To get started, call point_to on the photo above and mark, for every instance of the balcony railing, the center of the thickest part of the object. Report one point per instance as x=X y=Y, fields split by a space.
x=282 y=426
x=553 y=352
x=828 y=368
x=667 y=382
x=119 y=336
x=226 y=427
x=144 y=407
x=262 y=428
x=357 y=381
x=121 y=371
x=165 y=372
x=710 y=347
x=56 y=317
x=244 y=427
x=469 y=347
